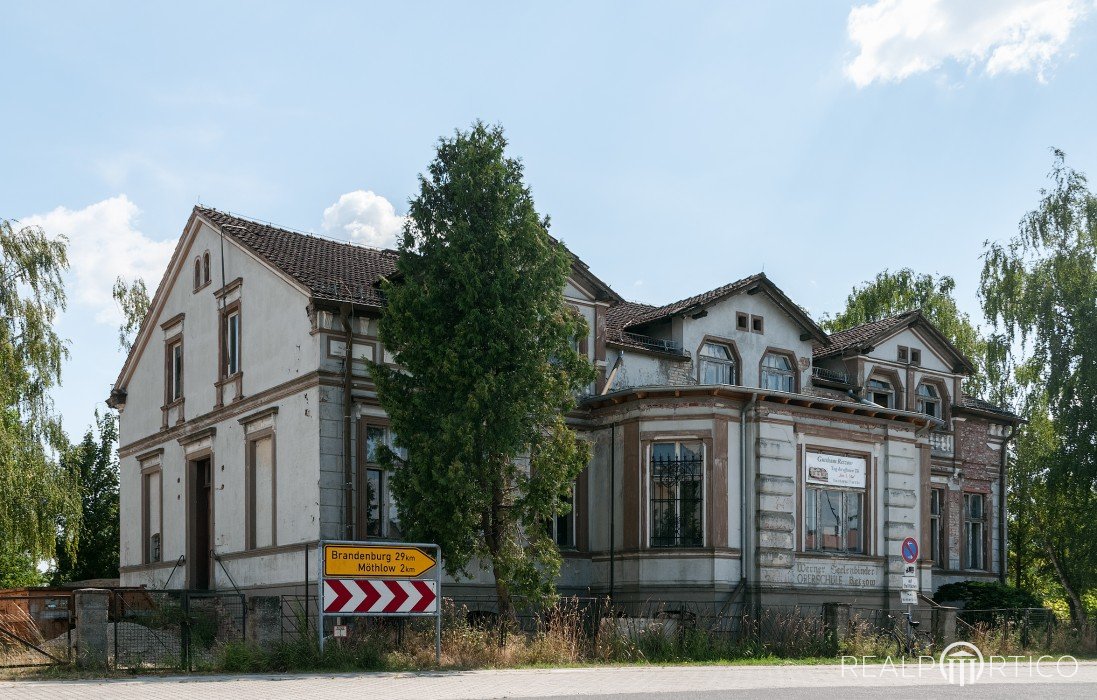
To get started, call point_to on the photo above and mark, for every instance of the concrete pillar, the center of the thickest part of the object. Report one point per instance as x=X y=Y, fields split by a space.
x=944 y=626
x=264 y=620
x=92 y=621
x=836 y=623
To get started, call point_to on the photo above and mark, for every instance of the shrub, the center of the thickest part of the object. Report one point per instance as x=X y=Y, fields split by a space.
x=986 y=595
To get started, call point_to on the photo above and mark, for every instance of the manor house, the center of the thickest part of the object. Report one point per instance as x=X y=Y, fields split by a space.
x=740 y=452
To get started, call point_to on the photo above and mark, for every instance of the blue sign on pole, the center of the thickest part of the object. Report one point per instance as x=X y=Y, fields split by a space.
x=910 y=550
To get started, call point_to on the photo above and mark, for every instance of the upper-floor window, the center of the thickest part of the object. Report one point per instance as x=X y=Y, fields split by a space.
x=677 y=494
x=201 y=271
x=929 y=401
x=975 y=523
x=175 y=371
x=717 y=364
x=777 y=373
x=880 y=392
x=232 y=343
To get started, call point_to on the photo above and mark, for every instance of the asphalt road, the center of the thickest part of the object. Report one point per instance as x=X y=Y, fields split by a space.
x=620 y=683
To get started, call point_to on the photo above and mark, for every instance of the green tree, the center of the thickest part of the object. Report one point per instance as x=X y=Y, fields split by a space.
x=1039 y=290
x=478 y=323
x=134 y=301
x=892 y=293
x=94 y=460
x=35 y=490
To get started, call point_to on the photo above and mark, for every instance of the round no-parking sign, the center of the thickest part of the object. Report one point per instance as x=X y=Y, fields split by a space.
x=910 y=550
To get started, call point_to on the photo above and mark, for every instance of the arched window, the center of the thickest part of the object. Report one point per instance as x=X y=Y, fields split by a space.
x=205 y=267
x=880 y=392
x=717 y=364
x=929 y=401
x=197 y=273
x=777 y=373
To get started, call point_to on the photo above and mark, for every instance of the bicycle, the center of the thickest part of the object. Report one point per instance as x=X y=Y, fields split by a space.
x=911 y=640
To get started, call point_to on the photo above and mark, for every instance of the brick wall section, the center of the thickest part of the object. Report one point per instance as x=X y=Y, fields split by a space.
x=978 y=460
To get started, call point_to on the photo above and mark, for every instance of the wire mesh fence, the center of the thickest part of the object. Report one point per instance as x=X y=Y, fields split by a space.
x=35 y=629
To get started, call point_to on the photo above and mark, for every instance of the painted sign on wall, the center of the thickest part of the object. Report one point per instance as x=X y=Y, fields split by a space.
x=834 y=470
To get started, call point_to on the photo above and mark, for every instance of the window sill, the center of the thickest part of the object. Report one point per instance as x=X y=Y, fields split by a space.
x=228 y=379
x=201 y=287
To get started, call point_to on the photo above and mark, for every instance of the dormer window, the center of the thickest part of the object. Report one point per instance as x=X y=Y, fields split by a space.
x=880 y=393
x=717 y=364
x=777 y=374
x=929 y=401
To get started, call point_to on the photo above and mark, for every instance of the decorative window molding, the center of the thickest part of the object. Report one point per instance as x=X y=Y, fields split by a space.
x=938 y=548
x=378 y=516
x=757 y=324
x=677 y=495
x=174 y=379
x=230 y=351
x=717 y=361
x=836 y=502
x=742 y=321
x=777 y=371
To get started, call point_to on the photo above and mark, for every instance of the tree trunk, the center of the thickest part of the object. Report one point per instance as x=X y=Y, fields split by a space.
x=1074 y=601
x=494 y=534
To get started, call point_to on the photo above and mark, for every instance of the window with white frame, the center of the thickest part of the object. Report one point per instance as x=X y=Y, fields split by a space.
x=677 y=494
x=232 y=343
x=777 y=373
x=834 y=502
x=717 y=364
x=929 y=401
x=880 y=392
x=975 y=523
x=175 y=370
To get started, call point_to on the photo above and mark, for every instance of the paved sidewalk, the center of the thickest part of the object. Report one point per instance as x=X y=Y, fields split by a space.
x=621 y=681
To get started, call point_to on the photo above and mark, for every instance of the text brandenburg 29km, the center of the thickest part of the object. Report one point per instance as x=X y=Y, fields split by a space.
x=360 y=561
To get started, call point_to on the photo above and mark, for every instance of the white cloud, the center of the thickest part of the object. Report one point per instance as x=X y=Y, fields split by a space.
x=364 y=217
x=901 y=38
x=104 y=243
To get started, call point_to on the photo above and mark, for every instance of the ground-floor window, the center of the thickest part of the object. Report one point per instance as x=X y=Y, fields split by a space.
x=151 y=495
x=677 y=494
x=833 y=519
x=378 y=515
x=936 y=535
x=562 y=527
x=834 y=502
x=261 y=492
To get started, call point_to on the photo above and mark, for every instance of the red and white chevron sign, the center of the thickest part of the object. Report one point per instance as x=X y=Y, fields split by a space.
x=361 y=596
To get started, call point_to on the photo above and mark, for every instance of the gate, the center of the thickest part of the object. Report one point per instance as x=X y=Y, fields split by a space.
x=174 y=629
x=35 y=629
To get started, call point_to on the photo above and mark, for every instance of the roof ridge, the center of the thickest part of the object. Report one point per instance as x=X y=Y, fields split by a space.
x=287 y=229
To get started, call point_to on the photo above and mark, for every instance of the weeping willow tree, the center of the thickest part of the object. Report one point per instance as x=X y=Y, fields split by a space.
x=1040 y=291
x=36 y=492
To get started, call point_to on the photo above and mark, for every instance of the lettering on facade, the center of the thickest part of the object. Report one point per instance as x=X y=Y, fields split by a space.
x=836 y=574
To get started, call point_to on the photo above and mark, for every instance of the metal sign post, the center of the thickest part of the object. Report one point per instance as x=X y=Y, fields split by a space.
x=369 y=579
x=909 y=594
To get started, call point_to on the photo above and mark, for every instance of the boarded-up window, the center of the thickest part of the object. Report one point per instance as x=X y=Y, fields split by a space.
x=150 y=493
x=262 y=510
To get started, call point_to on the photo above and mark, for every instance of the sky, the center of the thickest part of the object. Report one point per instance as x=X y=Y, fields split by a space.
x=676 y=146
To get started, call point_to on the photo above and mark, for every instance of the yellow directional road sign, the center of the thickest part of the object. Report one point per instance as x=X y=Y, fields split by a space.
x=368 y=561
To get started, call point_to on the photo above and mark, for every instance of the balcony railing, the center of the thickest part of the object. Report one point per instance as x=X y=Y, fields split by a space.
x=830 y=375
x=941 y=443
x=657 y=344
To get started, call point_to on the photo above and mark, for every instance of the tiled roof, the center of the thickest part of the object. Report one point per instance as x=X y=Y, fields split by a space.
x=328 y=269
x=620 y=316
x=863 y=335
x=677 y=307
x=975 y=403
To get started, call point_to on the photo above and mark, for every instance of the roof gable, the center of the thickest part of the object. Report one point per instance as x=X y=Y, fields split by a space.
x=634 y=316
x=861 y=339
